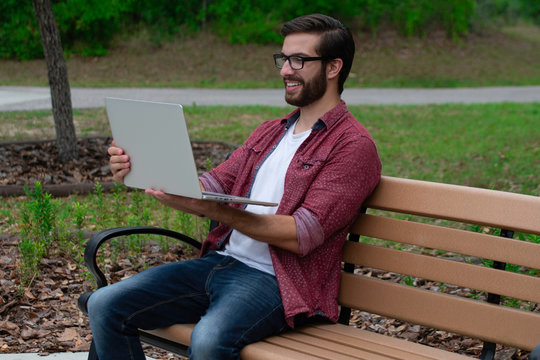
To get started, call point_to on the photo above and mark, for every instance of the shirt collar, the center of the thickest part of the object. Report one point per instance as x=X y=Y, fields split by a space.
x=327 y=120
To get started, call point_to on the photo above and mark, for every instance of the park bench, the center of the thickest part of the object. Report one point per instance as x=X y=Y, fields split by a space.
x=414 y=230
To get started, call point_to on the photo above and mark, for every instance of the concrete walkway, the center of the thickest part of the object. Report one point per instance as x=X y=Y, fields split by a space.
x=58 y=356
x=13 y=98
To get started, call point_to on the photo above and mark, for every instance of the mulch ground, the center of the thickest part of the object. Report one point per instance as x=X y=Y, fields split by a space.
x=44 y=318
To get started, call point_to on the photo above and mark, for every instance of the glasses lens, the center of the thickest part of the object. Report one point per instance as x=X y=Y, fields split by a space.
x=279 y=60
x=296 y=62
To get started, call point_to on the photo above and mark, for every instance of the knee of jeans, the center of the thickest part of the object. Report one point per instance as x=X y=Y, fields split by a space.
x=101 y=304
x=210 y=343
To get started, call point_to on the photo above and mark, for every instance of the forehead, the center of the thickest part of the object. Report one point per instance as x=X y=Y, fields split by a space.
x=300 y=44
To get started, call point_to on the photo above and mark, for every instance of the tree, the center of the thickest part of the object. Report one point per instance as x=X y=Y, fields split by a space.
x=66 y=140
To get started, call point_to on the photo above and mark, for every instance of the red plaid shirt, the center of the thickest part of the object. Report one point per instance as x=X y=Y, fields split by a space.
x=329 y=177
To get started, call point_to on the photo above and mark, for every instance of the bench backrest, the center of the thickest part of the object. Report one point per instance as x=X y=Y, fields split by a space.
x=419 y=218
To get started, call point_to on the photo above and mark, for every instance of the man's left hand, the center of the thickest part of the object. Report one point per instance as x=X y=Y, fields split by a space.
x=189 y=205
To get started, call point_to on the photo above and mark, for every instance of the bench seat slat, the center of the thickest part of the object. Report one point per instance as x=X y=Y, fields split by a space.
x=489 y=322
x=263 y=350
x=523 y=287
x=322 y=349
x=455 y=240
x=460 y=203
x=318 y=342
x=381 y=344
x=342 y=347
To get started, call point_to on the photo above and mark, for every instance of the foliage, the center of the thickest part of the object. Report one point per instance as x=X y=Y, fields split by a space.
x=87 y=27
x=507 y=11
x=19 y=32
x=37 y=230
x=531 y=9
x=51 y=224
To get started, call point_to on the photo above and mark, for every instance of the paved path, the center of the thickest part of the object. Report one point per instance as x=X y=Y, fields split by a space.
x=35 y=98
x=56 y=356
x=59 y=356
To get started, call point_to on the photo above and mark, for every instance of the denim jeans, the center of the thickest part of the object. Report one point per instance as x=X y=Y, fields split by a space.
x=535 y=354
x=233 y=304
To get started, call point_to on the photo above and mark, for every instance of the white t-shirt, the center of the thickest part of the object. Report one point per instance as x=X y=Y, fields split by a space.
x=268 y=186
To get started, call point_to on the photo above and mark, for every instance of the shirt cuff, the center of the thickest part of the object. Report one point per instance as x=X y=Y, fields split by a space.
x=210 y=184
x=309 y=231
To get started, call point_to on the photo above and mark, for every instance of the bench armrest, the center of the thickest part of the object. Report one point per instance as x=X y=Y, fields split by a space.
x=95 y=242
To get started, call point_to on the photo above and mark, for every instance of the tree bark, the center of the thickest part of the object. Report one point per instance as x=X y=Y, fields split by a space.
x=66 y=140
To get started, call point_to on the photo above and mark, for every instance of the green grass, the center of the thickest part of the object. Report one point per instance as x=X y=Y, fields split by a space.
x=494 y=146
x=485 y=145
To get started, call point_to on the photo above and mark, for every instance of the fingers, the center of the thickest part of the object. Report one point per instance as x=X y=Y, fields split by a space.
x=118 y=162
x=181 y=203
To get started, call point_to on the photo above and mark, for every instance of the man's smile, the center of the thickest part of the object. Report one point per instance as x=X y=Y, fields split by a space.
x=292 y=85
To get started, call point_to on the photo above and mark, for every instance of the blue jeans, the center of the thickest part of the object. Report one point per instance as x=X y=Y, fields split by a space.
x=233 y=304
x=535 y=354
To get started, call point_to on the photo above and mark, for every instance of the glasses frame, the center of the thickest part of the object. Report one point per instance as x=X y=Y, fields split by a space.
x=303 y=58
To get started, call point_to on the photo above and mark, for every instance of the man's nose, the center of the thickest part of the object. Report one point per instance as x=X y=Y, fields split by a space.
x=286 y=69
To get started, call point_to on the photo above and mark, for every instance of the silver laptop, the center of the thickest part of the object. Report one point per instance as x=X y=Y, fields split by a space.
x=155 y=137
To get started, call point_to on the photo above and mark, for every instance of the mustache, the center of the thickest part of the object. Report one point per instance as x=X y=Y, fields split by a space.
x=293 y=78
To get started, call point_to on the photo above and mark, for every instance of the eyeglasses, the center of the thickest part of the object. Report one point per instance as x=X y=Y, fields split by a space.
x=296 y=62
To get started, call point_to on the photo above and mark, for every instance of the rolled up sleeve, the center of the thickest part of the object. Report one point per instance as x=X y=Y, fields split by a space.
x=309 y=231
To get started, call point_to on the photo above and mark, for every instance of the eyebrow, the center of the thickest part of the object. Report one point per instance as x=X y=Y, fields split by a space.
x=299 y=54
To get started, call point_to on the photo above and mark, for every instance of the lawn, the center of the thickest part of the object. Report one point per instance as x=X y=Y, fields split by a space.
x=494 y=146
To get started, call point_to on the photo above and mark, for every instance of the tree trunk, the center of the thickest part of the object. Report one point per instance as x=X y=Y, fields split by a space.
x=66 y=140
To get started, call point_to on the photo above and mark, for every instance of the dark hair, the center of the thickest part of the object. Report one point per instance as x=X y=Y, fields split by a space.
x=336 y=39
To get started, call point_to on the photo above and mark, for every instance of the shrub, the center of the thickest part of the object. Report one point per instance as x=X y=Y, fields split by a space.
x=19 y=32
x=87 y=27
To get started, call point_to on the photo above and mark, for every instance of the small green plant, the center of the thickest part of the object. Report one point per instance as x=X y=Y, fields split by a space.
x=37 y=231
x=408 y=280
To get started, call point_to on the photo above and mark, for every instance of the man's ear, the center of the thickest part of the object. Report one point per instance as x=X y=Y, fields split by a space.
x=333 y=68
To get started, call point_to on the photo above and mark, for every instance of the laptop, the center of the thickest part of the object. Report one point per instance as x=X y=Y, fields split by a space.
x=155 y=136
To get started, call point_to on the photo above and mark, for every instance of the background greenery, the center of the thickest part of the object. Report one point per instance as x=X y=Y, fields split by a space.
x=88 y=26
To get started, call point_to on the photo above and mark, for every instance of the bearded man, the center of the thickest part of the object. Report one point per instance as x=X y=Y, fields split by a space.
x=263 y=270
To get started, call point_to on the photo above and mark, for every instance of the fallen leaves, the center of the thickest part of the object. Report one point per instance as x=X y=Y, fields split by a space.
x=44 y=317
x=40 y=161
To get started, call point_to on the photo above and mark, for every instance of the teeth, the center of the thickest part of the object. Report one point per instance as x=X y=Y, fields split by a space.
x=291 y=84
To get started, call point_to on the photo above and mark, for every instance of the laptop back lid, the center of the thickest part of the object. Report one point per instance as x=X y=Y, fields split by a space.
x=156 y=138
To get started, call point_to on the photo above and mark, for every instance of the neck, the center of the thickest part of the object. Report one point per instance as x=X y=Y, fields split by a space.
x=309 y=114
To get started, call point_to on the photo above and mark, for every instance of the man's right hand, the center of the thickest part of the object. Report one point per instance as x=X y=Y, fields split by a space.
x=118 y=163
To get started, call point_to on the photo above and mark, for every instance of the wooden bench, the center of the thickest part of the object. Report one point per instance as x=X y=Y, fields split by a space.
x=412 y=229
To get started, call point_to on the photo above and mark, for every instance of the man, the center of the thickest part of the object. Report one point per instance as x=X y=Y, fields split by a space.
x=262 y=270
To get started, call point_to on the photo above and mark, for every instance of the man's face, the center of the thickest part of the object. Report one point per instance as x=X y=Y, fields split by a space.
x=307 y=85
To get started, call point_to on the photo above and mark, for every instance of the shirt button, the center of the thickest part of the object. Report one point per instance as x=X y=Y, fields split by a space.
x=306 y=166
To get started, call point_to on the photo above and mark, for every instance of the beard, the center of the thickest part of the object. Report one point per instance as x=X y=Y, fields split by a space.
x=312 y=90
